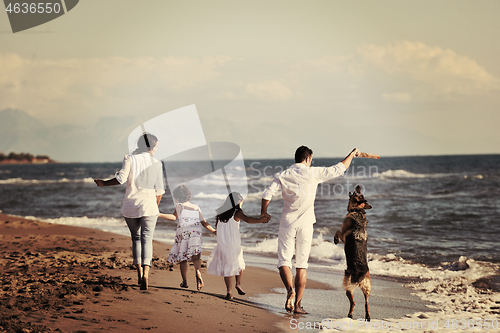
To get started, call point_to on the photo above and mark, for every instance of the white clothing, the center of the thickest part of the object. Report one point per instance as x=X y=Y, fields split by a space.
x=298 y=185
x=294 y=239
x=227 y=257
x=144 y=176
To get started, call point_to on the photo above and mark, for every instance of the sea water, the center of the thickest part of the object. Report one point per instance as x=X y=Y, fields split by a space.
x=435 y=219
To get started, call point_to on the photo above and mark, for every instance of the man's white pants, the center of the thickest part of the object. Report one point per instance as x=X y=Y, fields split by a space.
x=294 y=239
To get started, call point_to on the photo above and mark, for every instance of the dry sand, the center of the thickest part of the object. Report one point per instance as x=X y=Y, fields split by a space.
x=70 y=279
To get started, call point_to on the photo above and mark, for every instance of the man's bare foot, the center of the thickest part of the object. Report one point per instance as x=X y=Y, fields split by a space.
x=229 y=296
x=300 y=310
x=289 y=300
x=184 y=284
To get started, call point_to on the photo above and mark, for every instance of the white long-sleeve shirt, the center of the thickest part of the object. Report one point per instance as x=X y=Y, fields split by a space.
x=298 y=186
x=144 y=177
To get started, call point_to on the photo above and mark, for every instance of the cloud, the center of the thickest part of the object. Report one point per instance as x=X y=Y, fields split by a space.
x=272 y=89
x=397 y=97
x=46 y=86
x=442 y=70
x=323 y=64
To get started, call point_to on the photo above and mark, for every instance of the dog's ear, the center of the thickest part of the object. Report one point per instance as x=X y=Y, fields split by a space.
x=358 y=189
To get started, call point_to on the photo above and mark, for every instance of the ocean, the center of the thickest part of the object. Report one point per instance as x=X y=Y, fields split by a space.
x=435 y=222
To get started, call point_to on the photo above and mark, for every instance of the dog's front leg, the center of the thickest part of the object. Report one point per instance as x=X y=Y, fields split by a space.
x=338 y=237
x=344 y=230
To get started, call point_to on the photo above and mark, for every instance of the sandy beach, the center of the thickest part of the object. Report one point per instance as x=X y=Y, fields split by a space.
x=58 y=278
x=71 y=279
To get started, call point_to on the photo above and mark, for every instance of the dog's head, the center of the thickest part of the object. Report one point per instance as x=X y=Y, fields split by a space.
x=357 y=201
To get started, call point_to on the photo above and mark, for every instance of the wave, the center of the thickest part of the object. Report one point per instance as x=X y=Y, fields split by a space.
x=320 y=248
x=265 y=246
x=479 y=176
x=101 y=223
x=236 y=181
x=22 y=181
x=459 y=288
x=217 y=196
x=403 y=174
x=256 y=196
x=109 y=224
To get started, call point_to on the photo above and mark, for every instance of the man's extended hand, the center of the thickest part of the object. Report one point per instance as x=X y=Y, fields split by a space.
x=267 y=216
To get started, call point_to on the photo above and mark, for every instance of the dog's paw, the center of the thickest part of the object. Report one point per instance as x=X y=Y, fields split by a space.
x=336 y=239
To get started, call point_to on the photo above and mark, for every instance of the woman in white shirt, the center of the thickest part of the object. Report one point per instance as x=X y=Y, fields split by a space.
x=145 y=187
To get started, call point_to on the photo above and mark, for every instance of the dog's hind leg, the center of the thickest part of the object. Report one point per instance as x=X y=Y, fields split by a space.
x=351 y=301
x=366 y=287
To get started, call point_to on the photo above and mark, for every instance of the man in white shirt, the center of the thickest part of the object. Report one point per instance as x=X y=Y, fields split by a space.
x=298 y=186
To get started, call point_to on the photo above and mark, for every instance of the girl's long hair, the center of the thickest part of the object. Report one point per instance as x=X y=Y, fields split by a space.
x=228 y=208
x=145 y=143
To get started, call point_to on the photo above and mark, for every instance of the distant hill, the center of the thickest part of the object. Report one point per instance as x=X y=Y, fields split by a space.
x=24 y=158
x=21 y=132
x=103 y=141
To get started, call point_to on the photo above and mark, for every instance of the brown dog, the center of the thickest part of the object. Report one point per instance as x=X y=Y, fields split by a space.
x=353 y=234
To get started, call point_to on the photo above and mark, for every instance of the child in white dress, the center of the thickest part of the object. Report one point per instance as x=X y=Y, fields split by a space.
x=227 y=257
x=188 y=237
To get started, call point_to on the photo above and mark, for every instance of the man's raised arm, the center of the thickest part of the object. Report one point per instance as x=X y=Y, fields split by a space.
x=347 y=161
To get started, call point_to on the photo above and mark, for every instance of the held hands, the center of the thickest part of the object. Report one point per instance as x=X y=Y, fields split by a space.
x=265 y=218
x=99 y=182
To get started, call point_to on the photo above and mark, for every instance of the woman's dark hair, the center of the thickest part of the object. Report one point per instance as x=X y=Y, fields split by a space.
x=302 y=153
x=228 y=208
x=145 y=143
x=182 y=194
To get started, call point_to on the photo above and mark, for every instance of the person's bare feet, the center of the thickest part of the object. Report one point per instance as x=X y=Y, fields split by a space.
x=184 y=284
x=144 y=283
x=300 y=310
x=289 y=300
x=240 y=291
x=229 y=297
x=199 y=281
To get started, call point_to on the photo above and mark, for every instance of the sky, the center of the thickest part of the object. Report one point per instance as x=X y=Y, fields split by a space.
x=395 y=78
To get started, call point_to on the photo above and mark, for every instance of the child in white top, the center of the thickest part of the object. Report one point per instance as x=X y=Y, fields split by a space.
x=227 y=257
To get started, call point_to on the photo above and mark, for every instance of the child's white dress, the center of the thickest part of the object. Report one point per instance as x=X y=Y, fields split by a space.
x=188 y=238
x=227 y=257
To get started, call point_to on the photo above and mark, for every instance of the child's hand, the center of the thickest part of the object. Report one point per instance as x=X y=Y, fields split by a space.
x=215 y=232
x=170 y=217
x=265 y=218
